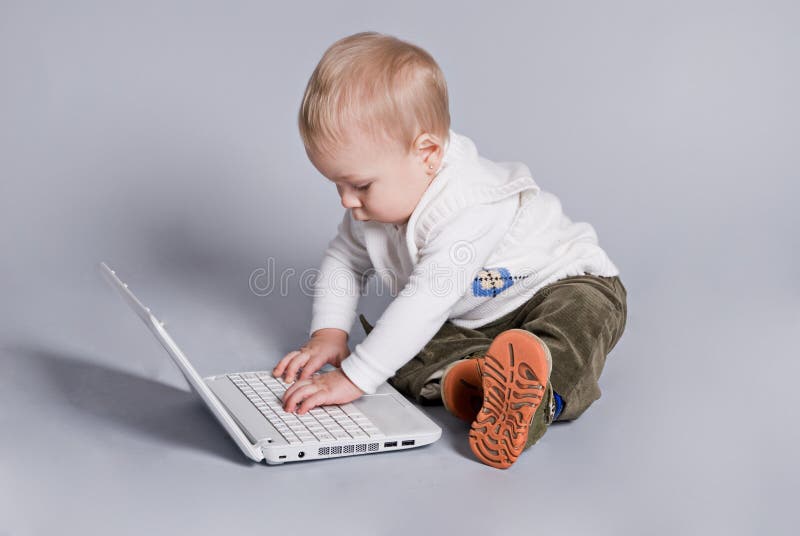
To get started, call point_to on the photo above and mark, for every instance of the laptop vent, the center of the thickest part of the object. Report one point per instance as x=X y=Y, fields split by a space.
x=348 y=449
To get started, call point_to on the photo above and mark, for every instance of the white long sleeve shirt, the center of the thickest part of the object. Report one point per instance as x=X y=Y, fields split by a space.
x=481 y=241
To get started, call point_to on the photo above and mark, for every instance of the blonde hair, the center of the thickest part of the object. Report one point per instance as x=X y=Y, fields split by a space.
x=375 y=84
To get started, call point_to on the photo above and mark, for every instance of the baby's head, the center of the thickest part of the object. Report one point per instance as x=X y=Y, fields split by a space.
x=375 y=121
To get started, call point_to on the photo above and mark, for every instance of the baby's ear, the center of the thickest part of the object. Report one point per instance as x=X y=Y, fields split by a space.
x=429 y=147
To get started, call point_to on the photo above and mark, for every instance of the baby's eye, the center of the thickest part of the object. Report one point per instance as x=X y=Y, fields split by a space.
x=362 y=188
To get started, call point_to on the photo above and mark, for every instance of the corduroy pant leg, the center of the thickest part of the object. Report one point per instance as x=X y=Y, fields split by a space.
x=581 y=319
x=449 y=344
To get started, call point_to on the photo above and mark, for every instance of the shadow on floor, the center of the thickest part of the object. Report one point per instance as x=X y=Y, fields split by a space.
x=127 y=401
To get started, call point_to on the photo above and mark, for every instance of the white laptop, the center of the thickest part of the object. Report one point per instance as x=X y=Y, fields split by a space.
x=249 y=407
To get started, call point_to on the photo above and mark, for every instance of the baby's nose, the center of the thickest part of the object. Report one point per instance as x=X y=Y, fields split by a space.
x=350 y=201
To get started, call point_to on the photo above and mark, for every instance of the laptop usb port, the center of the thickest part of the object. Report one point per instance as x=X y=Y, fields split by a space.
x=408 y=442
x=390 y=444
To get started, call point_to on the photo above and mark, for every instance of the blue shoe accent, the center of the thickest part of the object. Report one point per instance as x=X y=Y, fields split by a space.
x=559 y=405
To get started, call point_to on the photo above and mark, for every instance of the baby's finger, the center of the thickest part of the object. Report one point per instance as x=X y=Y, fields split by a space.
x=295 y=396
x=292 y=388
x=312 y=401
x=313 y=365
x=298 y=361
x=278 y=370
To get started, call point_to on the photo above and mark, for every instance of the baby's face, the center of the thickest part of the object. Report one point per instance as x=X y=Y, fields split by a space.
x=378 y=181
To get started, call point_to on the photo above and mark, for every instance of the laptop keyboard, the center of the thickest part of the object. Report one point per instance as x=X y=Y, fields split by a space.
x=323 y=423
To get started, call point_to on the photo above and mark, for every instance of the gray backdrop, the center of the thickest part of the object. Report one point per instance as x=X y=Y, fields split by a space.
x=161 y=138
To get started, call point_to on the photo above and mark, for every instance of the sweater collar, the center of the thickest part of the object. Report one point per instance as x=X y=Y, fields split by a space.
x=448 y=152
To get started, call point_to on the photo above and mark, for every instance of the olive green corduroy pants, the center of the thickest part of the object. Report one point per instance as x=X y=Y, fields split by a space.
x=580 y=318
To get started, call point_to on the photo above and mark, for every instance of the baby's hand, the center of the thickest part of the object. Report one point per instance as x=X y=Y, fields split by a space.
x=332 y=387
x=327 y=345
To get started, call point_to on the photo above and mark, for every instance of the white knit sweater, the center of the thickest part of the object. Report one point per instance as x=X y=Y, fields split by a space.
x=481 y=241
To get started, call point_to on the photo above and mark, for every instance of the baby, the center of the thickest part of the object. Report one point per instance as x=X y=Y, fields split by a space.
x=506 y=309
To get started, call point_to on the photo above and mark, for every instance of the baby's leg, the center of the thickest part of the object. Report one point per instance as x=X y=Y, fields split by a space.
x=419 y=377
x=580 y=318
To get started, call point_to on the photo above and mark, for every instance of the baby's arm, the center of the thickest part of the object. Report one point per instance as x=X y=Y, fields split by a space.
x=452 y=257
x=340 y=281
x=336 y=292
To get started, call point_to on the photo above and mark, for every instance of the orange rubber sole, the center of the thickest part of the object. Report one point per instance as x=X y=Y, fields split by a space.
x=462 y=388
x=515 y=371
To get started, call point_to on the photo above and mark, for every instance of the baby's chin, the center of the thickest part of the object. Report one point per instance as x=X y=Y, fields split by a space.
x=360 y=216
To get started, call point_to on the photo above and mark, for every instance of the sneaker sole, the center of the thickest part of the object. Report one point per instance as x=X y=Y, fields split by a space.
x=515 y=372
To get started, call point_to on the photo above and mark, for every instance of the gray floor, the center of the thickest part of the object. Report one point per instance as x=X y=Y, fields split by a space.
x=162 y=140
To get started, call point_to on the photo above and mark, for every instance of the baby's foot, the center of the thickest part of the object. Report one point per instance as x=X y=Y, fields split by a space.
x=515 y=372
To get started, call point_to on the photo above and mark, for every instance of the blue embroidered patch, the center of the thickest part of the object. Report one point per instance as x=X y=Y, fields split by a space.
x=491 y=282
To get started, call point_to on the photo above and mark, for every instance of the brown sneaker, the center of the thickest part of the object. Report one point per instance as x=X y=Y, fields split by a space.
x=515 y=371
x=462 y=388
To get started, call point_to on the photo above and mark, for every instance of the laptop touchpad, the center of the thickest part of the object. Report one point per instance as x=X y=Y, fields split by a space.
x=385 y=412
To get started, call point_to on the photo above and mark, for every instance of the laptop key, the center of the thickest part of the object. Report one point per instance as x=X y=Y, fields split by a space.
x=341 y=434
x=350 y=409
x=325 y=436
